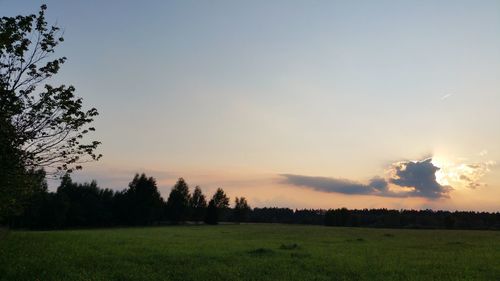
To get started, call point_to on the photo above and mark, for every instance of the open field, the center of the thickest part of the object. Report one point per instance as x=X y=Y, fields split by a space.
x=250 y=252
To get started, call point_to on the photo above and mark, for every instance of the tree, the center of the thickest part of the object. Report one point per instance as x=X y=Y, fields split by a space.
x=241 y=209
x=87 y=204
x=41 y=126
x=142 y=200
x=17 y=190
x=12 y=188
x=178 y=201
x=197 y=204
x=211 y=216
x=17 y=183
x=46 y=124
x=216 y=207
x=221 y=201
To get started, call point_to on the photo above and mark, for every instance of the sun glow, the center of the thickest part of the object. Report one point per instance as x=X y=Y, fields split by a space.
x=460 y=175
x=452 y=174
x=441 y=174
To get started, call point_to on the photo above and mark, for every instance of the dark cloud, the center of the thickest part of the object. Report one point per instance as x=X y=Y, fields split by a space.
x=377 y=186
x=378 y=183
x=420 y=176
x=329 y=184
x=416 y=179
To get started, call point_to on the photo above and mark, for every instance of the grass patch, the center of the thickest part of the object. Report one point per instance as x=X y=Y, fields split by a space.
x=3 y=232
x=261 y=252
x=249 y=252
x=356 y=240
x=300 y=255
x=291 y=246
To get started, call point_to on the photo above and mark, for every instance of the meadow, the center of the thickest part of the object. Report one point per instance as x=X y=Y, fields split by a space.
x=249 y=252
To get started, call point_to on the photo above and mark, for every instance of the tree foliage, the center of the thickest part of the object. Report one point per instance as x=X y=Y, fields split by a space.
x=142 y=201
x=178 y=201
x=198 y=204
x=241 y=209
x=220 y=199
x=42 y=127
x=47 y=124
x=212 y=214
x=217 y=207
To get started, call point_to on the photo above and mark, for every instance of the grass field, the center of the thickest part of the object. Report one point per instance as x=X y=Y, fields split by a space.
x=250 y=252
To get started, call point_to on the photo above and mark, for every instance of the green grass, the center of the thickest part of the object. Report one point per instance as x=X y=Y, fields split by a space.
x=250 y=252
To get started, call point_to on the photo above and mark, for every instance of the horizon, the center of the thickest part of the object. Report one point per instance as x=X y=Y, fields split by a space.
x=326 y=105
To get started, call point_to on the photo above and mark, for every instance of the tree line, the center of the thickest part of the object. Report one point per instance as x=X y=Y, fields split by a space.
x=87 y=205
x=380 y=218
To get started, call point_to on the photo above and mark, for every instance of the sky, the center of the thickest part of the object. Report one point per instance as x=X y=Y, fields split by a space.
x=301 y=104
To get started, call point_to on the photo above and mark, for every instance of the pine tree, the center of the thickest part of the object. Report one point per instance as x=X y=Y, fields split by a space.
x=217 y=207
x=241 y=209
x=178 y=202
x=198 y=205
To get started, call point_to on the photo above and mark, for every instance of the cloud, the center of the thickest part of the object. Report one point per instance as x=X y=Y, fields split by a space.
x=446 y=96
x=326 y=184
x=411 y=179
x=420 y=176
x=469 y=175
x=378 y=183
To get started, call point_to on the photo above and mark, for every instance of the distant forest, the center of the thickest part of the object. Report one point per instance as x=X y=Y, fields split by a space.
x=88 y=205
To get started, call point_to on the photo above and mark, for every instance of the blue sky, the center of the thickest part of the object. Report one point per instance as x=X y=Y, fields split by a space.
x=238 y=93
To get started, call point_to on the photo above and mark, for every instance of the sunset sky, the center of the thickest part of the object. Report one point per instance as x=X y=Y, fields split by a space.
x=302 y=104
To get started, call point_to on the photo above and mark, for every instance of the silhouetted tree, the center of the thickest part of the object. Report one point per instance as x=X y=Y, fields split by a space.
x=41 y=126
x=449 y=222
x=212 y=214
x=198 y=205
x=12 y=188
x=17 y=184
x=178 y=202
x=216 y=207
x=48 y=125
x=87 y=204
x=45 y=210
x=272 y=215
x=142 y=200
x=221 y=201
x=241 y=209
x=31 y=186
